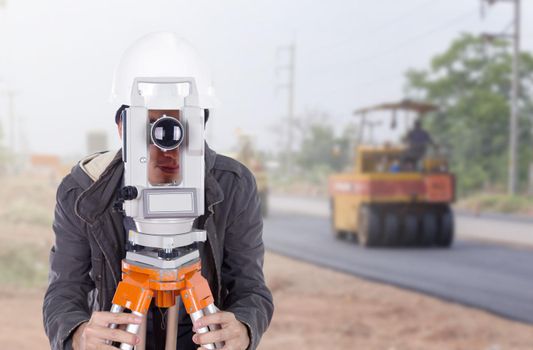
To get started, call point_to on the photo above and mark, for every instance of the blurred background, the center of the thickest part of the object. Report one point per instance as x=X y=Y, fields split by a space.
x=377 y=237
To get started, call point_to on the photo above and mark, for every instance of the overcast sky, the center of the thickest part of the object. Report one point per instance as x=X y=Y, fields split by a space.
x=59 y=55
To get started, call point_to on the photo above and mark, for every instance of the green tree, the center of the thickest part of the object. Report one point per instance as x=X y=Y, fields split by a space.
x=320 y=150
x=471 y=83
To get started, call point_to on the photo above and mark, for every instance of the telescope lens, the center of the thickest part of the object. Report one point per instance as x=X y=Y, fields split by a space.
x=167 y=133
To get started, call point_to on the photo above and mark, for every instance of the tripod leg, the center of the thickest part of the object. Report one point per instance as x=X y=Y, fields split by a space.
x=131 y=328
x=196 y=316
x=198 y=299
x=142 y=335
x=136 y=297
x=115 y=309
x=172 y=326
x=209 y=310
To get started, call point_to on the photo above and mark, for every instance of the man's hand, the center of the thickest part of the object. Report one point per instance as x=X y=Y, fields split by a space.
x=233 y=333
x=94 y=333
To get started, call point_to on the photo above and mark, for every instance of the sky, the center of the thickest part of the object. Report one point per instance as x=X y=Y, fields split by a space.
x=58 y=57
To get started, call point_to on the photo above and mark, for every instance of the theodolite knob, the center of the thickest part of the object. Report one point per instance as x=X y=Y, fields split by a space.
x=128 y=193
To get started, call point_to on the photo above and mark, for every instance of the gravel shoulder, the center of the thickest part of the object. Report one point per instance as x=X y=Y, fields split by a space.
x=317 y=308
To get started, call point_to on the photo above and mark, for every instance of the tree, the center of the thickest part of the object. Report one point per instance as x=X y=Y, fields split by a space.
x=471 y=83
x=319 y=150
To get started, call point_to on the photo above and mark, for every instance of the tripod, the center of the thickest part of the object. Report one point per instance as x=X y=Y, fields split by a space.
x=141 y=282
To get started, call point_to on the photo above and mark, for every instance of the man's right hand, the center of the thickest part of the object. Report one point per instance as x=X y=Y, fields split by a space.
x=94 y=333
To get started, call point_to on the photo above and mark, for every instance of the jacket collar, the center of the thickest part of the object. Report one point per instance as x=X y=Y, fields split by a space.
x=101 y=194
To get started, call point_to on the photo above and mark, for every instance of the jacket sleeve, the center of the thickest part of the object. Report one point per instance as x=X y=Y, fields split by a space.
x=65 y=304
x=242 y=268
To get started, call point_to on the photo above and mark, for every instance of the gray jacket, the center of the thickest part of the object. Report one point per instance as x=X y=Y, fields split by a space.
x=89 y=246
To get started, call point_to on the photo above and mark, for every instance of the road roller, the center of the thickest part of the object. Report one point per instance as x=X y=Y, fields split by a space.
x=387 y=200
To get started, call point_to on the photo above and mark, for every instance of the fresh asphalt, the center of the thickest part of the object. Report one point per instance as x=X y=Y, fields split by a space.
x=493 y=277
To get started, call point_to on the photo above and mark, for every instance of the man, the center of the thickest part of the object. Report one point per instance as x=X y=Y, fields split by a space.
x=90 y=241
x=417 y=141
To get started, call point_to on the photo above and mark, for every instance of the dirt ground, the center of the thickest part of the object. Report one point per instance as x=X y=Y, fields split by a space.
x=316 y=308
x=21 y=326
x=321 y=309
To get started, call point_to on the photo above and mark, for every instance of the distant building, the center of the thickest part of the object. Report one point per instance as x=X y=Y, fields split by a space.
x=47 y=165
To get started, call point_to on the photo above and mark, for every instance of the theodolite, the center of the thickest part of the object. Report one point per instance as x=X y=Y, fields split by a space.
x=162 y=258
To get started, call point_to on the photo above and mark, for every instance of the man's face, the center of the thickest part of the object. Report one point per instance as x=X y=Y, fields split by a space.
x=163 y=167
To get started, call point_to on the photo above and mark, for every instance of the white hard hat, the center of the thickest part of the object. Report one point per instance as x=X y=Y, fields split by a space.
x=161 y=54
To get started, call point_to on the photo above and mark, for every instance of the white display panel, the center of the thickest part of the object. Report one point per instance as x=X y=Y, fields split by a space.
x=170 y=203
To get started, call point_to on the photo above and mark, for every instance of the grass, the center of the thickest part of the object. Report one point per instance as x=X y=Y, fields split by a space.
x=23 y=266
x=26 y=215
x=27 y=201
x=26 y=211
x=500 y=203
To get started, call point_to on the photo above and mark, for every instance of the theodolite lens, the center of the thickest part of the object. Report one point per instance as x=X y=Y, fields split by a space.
x=167 y=133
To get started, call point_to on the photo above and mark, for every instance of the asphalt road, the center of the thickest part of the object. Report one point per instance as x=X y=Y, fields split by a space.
x=505 y=229
x=493 y=277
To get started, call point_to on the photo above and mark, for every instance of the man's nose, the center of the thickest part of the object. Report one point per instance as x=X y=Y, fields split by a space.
x=171 y=154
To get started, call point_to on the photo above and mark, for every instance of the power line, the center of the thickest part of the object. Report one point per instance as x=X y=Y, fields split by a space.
x=376 y=29
x=423 y=35
x=393 y=49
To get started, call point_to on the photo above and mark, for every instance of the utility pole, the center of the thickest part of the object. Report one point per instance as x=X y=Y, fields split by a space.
x=289 y=85
x=513 y=119
x=10 y=94
x=11 y=114
x=10 y=99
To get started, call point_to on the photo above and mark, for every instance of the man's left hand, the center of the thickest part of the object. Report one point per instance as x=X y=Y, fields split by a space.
x=233 y=333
